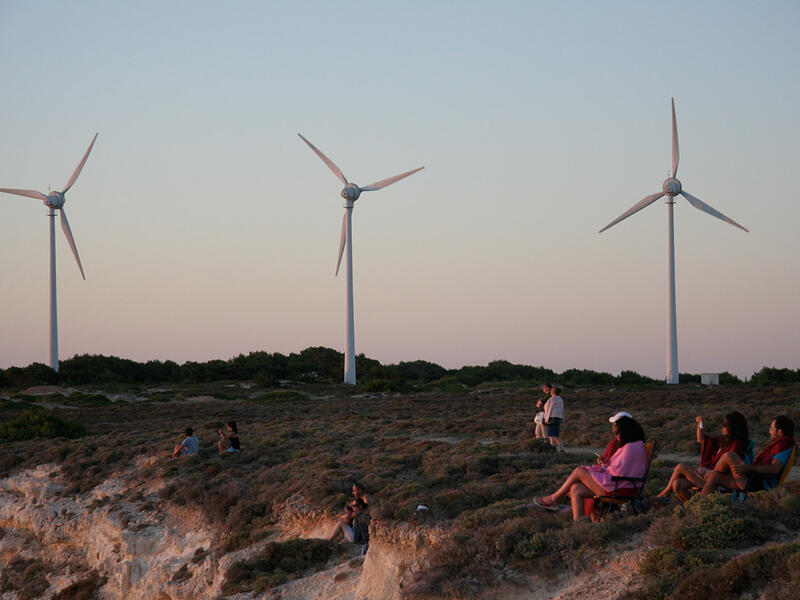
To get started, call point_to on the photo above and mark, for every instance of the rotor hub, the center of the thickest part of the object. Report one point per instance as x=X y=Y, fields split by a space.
x=672 y=187
x=351 y=192
x=55 y=200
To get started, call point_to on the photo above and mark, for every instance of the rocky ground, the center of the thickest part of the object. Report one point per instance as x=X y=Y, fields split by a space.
x=104 y=517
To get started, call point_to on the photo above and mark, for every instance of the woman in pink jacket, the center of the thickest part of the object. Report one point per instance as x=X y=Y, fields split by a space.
x=587 y=481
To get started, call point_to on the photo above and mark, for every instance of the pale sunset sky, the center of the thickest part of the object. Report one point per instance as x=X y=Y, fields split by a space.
x=207 y=228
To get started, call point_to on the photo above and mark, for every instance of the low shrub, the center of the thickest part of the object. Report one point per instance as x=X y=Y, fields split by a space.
x=277 y=563
x=87 y=400
x=744 y=574
x=31 y=423
x=712 y=522
x=281 y=395
x=83 y=589
x=25 y=576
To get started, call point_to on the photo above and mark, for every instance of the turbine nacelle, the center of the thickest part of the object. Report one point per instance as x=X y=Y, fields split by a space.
x=351 y=192
x=672 y=187
x=55 y=200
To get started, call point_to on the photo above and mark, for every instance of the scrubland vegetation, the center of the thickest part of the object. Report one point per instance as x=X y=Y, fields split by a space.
x=324 y=365
x=466 y=451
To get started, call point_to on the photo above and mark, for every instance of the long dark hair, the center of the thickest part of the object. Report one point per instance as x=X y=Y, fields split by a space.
x=785 y=424
x=737 y=428
x=232 y=425
x=629 y=431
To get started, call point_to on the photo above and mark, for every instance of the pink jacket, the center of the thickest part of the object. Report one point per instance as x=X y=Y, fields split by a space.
x=628 y=461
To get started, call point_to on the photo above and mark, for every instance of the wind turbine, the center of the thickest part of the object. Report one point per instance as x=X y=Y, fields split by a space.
x=55 y=201
x=350 y=193
x=671 y=188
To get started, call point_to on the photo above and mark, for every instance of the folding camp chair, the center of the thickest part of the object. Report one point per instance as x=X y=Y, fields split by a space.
x=623 y=495
x=741 y=496
x=749 y=454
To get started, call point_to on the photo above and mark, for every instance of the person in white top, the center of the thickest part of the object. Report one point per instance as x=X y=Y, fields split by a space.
x=553 y=415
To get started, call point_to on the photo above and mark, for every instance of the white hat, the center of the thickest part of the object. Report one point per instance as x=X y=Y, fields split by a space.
x=619 y=415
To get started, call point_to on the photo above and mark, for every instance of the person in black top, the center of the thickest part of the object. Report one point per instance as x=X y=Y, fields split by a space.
x=229 y=440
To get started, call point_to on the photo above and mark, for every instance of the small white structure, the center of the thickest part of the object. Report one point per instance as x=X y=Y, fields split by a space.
x=709 y=378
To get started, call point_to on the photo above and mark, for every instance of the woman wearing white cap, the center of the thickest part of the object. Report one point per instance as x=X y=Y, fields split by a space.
x=585 y=482
x=613 y=445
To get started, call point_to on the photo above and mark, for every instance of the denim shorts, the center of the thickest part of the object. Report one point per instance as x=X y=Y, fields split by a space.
x=554 y=427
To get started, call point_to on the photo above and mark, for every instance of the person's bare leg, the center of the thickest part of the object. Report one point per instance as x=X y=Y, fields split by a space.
x=681 y=487
x=339 y=529
x=680 y=472
x=579 y=475
x=724 y=475
x=223 y=446
x=677 y=472
x=716 y=479
x=578 y=493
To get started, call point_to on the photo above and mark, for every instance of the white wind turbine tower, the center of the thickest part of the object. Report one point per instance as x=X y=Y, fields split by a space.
x=671 y=188
x=350 y=193
x=55 y=201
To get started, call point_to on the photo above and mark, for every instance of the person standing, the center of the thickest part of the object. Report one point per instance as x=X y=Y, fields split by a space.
x=553 y=416
x=538 y=420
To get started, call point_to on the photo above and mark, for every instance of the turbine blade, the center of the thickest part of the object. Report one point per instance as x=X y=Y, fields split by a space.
x=70 y=239
x=676 y=154
x=647 y=201
x=336 y=170
x=79 y=168
x=28 y=193
x=342 y=240
x=699 y=205
x=384 y=182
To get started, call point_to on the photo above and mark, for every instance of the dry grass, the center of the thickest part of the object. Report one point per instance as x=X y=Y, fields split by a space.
x=467 y=454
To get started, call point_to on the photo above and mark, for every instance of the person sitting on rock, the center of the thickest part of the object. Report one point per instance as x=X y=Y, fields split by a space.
x=354 y=524
x=733 y=473
x=735 y=438
x=189 y=445
x=229 y=439
x=360 y=492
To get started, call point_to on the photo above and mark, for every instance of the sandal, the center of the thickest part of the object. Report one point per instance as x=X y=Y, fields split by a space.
x=539 y=502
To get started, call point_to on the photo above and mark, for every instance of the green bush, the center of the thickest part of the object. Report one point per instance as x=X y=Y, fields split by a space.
x=743 y=574
x=87 y=400
x=30 y=423
x=713 y=523
x=277 y=563
x=25 y=576
x=281 y=395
